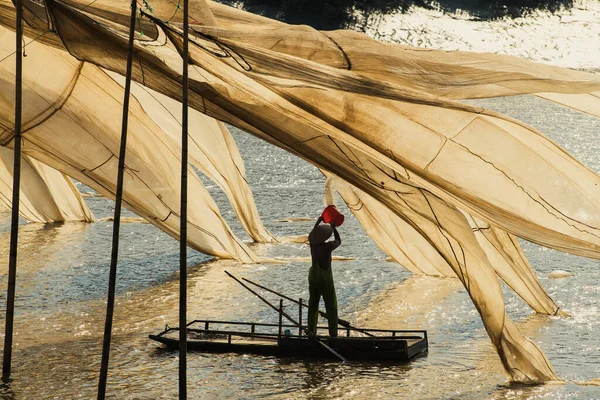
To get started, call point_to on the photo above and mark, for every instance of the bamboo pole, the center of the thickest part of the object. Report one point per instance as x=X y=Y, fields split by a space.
x=279 y=329
x=299 y=316
x=14 y=224
x=112 y=276
x=183 y=217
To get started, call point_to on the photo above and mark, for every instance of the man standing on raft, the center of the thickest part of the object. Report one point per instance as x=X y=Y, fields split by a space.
x=320 y=276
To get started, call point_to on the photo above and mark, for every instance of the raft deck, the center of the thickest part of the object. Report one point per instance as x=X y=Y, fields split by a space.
x=390 y=345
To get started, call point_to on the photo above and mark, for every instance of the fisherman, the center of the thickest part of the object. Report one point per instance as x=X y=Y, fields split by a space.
x=320 y=276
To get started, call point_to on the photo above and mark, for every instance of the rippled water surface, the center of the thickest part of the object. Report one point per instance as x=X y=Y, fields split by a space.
x=63 y=274
x=568 y=38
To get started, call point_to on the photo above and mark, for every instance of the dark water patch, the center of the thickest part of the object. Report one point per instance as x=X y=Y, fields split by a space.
x=486 y=10
x=356 y=14
x=322 y=14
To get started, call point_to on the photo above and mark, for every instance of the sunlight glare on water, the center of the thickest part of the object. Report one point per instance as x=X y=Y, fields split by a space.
x=63 y=273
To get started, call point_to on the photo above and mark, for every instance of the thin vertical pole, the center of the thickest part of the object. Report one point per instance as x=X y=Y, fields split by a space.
x=183 y=218
x=14 y=224
x=300 y=316
x=280 y=330
x=112 y=277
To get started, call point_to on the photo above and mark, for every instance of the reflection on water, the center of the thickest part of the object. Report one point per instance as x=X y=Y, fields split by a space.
x=63 y=273
x=62 y=281
x=567 y=38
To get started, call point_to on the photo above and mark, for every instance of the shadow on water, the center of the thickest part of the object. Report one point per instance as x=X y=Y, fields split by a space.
x=6 y=392
x=337 y=14
x=324 y=380
x=493 y=9
x=161 y=352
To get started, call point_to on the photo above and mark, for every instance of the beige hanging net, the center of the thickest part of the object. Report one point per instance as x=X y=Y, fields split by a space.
x=442 y=186
x=46 y=195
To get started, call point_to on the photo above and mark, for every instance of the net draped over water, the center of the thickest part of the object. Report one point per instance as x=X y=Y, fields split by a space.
x=443 y=187
x=46 y=194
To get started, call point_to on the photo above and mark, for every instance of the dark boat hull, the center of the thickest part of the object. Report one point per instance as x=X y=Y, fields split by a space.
x=396 y=348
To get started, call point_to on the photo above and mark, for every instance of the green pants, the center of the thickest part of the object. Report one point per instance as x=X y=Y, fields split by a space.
x=320 y=283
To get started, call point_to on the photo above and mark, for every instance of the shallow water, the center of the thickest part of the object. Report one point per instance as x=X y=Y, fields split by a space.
x=567 y=38
x=63 y=274
x=62 y=283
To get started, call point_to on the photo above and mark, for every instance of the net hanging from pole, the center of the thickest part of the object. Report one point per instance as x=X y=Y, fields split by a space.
x=392 y=127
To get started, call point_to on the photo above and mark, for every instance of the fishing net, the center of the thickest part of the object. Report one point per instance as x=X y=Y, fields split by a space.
x=381 y=117
x=71 y=122
x=46 y=195
x=419 y=253
x=212 y=151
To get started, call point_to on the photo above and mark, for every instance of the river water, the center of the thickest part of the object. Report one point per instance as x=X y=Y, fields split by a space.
x=63 y=273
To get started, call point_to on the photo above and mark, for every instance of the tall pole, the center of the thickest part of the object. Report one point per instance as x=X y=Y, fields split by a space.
x=112 y=277
x=183 y=218
x=14 y=224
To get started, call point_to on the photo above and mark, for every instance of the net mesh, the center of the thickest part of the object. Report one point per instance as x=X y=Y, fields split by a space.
x=443 y=186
